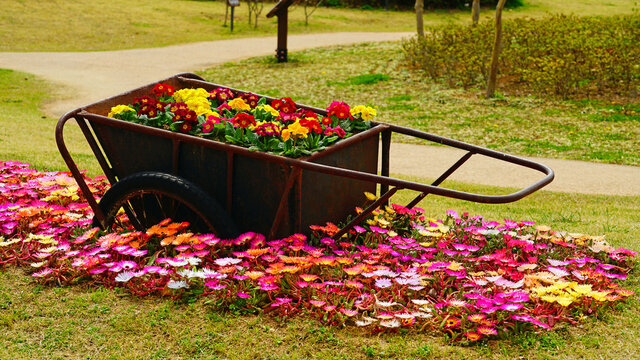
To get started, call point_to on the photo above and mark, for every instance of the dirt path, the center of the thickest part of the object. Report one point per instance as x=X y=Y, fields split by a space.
x=95 y=75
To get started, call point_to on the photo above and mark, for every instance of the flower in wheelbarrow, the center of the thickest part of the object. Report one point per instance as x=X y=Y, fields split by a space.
x=221 y=94
x=118 y=109
x=312 y=124
x=268 y=109
x=294 y=130
x=183 y=95
x=199 y=105
x=243 y=120
x=163 y=89
x=209 y=124
x=339 y=109
x=178 y=106
x=337 y=131
x=366 y=113
x=188 y=116
x=185 y=127
x=251 y=99
x=266 y=128
x=285 y=105
x=239 y=104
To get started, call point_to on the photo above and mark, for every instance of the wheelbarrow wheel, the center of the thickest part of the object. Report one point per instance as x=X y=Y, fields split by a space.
x=150 y=197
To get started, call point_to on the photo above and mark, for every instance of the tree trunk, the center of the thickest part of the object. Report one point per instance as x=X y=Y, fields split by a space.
x=475 y=12
x=497 y=44
x=419 y=21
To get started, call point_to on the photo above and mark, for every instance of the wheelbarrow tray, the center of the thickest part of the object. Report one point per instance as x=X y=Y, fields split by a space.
x=263 y=192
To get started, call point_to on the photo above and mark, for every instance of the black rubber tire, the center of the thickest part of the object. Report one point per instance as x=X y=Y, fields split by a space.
x=149 y=197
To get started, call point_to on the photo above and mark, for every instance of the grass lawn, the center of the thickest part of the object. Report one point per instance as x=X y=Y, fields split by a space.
x=26 y=134
x=84 y=25
x=84 y=322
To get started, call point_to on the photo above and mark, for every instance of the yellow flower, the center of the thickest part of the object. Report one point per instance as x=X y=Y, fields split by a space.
x=268 y=109
x=200 y=105
x=565 y=300
x=183 y=95
x=119 y=109
x=239 y=104
x=367 y=113
x=370 y=196
x=296 y=130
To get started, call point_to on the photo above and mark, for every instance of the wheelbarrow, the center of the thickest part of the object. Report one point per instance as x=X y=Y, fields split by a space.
x=227 y=189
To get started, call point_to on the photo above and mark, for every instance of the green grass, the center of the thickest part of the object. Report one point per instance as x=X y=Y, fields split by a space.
x=26 y=134
x=84 y=25
x=373 y=74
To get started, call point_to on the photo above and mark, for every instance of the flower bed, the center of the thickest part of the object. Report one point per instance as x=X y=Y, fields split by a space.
x=464 y=276
x=246 y=119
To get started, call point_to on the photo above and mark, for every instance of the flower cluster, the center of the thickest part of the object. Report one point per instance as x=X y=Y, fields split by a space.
x=246 y=119
x=464 y=276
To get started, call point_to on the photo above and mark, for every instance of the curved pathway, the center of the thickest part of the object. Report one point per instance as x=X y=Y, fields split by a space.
x=95 y=75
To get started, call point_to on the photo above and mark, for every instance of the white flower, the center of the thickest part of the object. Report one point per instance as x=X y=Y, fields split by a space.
x=420 y=302
x=385 y=304
x=172 y=284
x=124 y=276
x=393 y=323
x=227 y=261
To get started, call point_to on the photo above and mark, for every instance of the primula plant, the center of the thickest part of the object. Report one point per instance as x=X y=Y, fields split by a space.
x=246 y=119
x=466 y=277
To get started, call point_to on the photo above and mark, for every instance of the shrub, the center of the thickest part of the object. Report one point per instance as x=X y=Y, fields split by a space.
x=561 y=55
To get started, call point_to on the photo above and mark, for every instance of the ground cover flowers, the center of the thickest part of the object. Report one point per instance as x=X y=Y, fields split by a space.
x=463 y=276
x=277 y=126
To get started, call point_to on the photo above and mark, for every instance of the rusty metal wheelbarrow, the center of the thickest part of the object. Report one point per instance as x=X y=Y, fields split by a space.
x=227 y=189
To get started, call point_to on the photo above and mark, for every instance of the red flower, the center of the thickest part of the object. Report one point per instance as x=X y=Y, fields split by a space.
x=285 y=105
x=340 y=110
x=180 y=115
x=267 y=129
x=191 y=117
x=178 y=106
x=224 y=106
x=307 y=114
x=312 y=125
x=144 y=100
x=326 y=121
x=243 y=120
x=163 y=88
x=185 y=127
x=251 y=99
x=222 y=94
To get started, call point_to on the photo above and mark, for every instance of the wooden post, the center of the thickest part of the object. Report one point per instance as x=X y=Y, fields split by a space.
x=281 y=10
x=231 y=4
x=475 y=12
x=493 y=71
x=419 y=20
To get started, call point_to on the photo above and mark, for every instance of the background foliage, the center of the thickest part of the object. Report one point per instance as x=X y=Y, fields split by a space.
x=409 y=4
x=563 y=55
